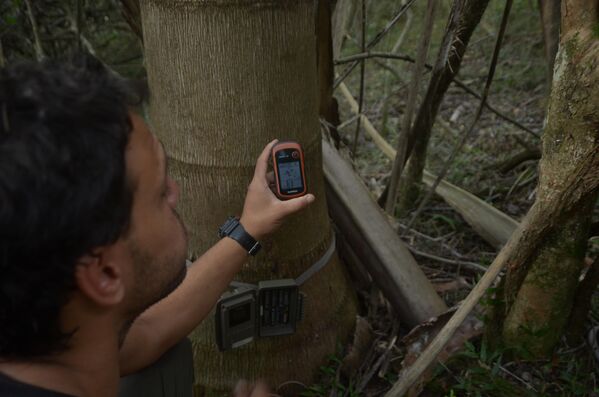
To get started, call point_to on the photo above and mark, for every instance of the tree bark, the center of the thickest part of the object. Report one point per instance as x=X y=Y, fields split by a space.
x=226 y=77
x=446 y=68
x=543 y=270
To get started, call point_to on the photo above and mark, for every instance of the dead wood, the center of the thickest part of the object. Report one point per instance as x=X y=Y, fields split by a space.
x=374 y=241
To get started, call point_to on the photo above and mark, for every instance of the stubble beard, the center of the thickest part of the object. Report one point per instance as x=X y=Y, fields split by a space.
x=147 y=268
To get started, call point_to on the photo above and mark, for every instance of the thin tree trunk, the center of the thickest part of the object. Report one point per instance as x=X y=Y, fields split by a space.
x=343 y=16
x=550 y=17
x=402 y=141
x=39 y=51
x=328 y=108
x=582 y=304
x=446 y=68
x=227 y=77
x=540 y=287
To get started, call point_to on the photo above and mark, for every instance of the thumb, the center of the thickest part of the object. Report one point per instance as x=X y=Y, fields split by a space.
x=298 y=203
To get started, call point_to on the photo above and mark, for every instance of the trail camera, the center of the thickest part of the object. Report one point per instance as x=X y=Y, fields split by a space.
x=272 y=308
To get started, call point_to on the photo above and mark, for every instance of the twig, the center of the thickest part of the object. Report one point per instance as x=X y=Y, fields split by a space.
x=404 y=31
x=2 y=59
x=513 y=375
x=387 y=85
x=402 y=142
x=364 y=381
x=376 y=39
x=79 y=13
x=436 y=346
x=349 y=121
x=456 y=150
x=470 y=265
x=362 y=71
x=459 y=83
x=39 y=52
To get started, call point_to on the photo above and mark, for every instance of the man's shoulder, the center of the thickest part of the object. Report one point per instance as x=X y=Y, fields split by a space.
x=10 y=387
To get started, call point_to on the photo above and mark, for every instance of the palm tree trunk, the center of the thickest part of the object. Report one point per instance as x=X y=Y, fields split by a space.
x=226 y=77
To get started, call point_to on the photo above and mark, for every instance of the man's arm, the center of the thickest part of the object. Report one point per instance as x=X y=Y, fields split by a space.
x=171 y=319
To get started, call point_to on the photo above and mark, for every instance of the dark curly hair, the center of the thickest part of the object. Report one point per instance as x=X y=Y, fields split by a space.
x=64 y=127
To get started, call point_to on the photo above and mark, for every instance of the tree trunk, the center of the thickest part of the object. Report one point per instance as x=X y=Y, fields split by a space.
x=544 y=267
x=328 y=108
x=227 y=77
x=550 y=17
x=445 y=69
x=343 y=16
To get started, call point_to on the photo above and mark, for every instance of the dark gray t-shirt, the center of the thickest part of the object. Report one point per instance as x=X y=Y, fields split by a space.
x=10 y=387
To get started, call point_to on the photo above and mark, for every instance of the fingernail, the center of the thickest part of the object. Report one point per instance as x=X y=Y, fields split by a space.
x=310 y=198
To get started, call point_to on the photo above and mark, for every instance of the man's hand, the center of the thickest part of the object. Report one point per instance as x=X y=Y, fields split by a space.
x=244 y=389
x=263 y=212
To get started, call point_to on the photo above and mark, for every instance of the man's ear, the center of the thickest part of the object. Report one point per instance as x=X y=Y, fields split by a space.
x=100 y=277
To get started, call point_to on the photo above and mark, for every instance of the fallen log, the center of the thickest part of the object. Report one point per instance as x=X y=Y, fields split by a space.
x=376 y=244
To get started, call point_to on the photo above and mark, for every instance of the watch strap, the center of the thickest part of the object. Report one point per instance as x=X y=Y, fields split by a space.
x=232 y=228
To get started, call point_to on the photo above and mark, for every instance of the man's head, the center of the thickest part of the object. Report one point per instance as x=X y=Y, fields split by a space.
x=87 y=219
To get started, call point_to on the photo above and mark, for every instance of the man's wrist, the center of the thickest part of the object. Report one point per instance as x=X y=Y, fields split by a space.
x=249 y=227
x=235 y=230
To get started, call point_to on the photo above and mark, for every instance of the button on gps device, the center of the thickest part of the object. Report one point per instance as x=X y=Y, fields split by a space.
x=288 y=164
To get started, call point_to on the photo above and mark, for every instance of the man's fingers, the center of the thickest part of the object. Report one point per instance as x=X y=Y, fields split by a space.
x=270 y=177
x=262 y=162
x=298 y=203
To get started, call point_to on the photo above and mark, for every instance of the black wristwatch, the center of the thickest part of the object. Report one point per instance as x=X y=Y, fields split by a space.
x=233 y=229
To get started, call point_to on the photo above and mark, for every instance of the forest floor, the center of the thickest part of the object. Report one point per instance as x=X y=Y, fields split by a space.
x=519 y=90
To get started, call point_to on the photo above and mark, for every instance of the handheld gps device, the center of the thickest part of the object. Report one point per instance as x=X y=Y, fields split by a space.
x=288 y=164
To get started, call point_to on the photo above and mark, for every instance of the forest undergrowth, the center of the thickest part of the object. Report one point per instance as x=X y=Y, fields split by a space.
x=440 y=239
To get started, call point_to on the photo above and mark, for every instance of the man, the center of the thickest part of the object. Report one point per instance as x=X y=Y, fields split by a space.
x=92 y=252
